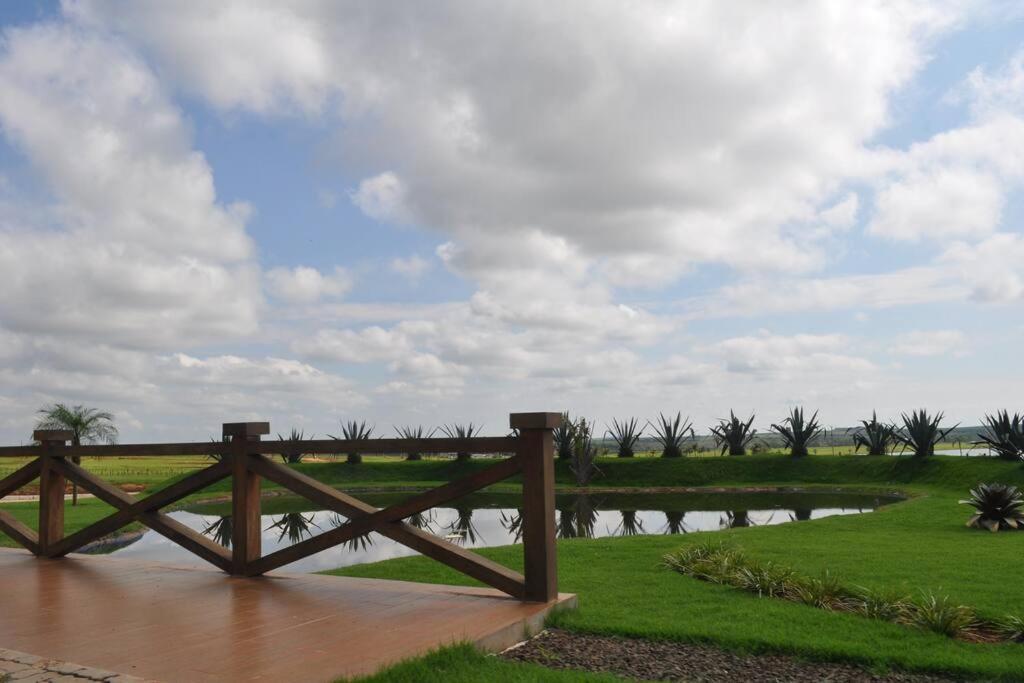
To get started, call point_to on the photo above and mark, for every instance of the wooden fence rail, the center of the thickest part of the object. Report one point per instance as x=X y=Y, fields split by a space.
x=243 y=459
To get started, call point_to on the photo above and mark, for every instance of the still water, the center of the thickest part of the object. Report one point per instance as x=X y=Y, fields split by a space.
x=494 y=519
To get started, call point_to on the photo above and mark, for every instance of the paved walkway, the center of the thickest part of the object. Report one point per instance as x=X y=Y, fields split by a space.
x=171 y=624
x=18 y=667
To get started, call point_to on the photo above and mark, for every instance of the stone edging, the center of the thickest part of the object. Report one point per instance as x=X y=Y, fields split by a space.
x=19 y=667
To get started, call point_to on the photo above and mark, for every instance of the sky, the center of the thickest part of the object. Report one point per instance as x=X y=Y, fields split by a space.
x=428 y=213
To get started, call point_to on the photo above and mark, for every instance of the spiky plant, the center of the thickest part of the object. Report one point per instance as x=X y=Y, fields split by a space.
x=942 y=615
x=583 y=464
x=578 y=518
x=564 y=435
x=417 y=432
x=291 y=446
x=997 y=506
x=221 y=531
x=462 y=432
x=674 y=522
x=512 y=522
x=921 y=432
x=733 y=435
x=1004 y=435
x=796 y=432
x=631 y=525
x=735 y=519
x=294 y=525
x=625 y=434
x=877 y=437
x=671 y=434
x=87 y=425
x=356 y=432
x=356 y=543
x=461 y=530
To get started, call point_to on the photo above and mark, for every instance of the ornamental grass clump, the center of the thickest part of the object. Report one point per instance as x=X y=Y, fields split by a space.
x=883 y=605
x=942 y=615
x=876 y=437
x=291 y=446
x=997 y=506
x=625 y=434
x=671 y=434
x=733 y=435
x=921 y=432
x=797 y=433
x=1004 y=435
x=825 y=592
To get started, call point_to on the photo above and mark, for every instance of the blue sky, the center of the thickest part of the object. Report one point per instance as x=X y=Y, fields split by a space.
x=421 y=214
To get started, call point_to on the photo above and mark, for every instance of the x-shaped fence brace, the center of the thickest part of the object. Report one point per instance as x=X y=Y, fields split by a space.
x=245 y=460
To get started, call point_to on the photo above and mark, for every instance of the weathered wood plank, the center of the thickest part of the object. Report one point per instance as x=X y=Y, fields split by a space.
x=460 y=559
x=483 y=445
x=51 y=502
x=20 y=477
x=171 y=494
x=174 y=531
x=359 y=526
x=20 y=532
x=537 y=451
x=245 y=509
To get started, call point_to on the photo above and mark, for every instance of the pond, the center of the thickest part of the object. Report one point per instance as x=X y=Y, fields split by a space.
x=494 y=519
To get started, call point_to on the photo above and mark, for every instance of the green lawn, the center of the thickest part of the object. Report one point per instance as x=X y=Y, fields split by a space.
x=920 y=544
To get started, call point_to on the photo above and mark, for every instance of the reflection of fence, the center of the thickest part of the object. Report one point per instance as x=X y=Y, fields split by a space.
x=243 y=460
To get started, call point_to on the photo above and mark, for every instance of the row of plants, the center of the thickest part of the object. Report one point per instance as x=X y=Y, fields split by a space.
x=717 y=562
x=360 y=432
x=918 y=432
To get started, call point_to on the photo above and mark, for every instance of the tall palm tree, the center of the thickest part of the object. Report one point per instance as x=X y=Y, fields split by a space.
x=87 y=425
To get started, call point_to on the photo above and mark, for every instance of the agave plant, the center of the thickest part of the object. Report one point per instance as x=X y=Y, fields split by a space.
x=625 y=434
x=631 y=525
x=356 y=543
x=290 y=446
x=583 y=464
x=671 y=434
x=565 y=435
x=354 y=431
x=417 y=432
x=733 y=435
x=461 y=530
x=877 y=437
x=921 y=432
x=512 y=522
x=1004 y=435
x=674 y=524
x=221 y=531
x=578 y=518
x=997 y=506
x=462 y=432
x=797 y=433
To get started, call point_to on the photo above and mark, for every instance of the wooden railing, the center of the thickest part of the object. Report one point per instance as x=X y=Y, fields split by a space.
x=244 y=459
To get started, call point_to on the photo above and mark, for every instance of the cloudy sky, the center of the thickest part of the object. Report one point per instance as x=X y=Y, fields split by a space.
x=427 y=212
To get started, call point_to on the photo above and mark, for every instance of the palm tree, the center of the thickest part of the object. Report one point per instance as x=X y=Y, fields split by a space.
x=87 y=425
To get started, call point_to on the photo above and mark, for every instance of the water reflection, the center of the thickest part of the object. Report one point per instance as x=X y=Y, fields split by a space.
x=496 y=519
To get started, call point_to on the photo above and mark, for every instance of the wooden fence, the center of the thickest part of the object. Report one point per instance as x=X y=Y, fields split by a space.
x=243 y=458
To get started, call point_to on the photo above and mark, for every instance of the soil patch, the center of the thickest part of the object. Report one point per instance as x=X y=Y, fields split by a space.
x=663 y=661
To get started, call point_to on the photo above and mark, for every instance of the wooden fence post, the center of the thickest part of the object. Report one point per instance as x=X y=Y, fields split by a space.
x=51 y=488
x=245 y=496
x=537 y=452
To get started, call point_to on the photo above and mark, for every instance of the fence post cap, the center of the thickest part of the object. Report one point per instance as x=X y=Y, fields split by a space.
x=53 y=435
x=535 y=420
x=246 y=428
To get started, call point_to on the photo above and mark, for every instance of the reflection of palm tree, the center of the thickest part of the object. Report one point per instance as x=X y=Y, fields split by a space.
x=294 y=525
x=630 y=524
x=801 y=514
x=462 y=529
x=674 y=522
x=577 y=519
x=513 y=523
x=361 y=542
x=422 y=520
x=735 y=519
x=220 y=531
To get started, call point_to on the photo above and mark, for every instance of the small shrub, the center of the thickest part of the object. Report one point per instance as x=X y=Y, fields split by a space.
x=734 y=434
x=417 y=432
x=290 y=446
x=921 y=432
x=583 y=463
x=877 y=438
x=671 y=434
x=354 y=431
x=1011 y=628
x=887 y=606
x=462 y=432
x=1004 y=435
x=942 y=615
x=768 y=580
x=565 y=435
x=625 y=434
x=997 y=506
x=797 y=433
x=824 y=591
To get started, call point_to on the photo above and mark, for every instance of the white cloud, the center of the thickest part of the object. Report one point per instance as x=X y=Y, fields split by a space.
x=929 y=343
x=411 y=267
x=803 y=354
x=383 y=198
x=303 y=284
